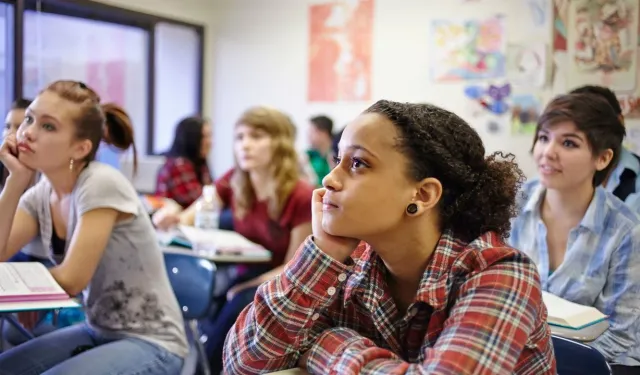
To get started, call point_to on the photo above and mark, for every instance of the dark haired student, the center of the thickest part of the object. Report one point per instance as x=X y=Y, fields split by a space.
x=89 y=217
x=186 y=171
x=584 y=240
x=406 y=271
x=12 y=121
x=623 y=179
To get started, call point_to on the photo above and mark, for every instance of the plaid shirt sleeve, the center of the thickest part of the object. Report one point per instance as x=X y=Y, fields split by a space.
x=177 y=180
x=488 y=326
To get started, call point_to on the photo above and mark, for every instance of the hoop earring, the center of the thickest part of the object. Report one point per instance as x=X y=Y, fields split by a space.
x=412 y=208
x=71 y=165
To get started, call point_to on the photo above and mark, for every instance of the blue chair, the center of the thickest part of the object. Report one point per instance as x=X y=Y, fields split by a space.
x=192 y=279
x=574 y=358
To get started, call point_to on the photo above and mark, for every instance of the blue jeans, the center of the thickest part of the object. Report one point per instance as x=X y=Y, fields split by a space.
x=79 y=350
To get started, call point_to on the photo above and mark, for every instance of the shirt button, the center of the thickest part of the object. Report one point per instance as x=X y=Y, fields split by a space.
x=331 y=291
x=315 y=316
x=342 y=277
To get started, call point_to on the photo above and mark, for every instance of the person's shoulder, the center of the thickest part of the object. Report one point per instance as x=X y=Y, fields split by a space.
x=616 y=213
x=103 y=177
x=490 y=252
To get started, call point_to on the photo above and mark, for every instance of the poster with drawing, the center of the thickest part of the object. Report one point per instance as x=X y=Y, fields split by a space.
x=466 y=50
x=525 y=110
x=602 y=38
x=527 y=64
x=340 y=43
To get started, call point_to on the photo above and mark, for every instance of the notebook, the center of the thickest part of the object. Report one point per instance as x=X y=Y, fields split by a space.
x=226 y=242
x=571 y=315
x=27 y=282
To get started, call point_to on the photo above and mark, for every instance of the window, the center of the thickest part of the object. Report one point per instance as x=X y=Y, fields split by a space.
x=177 y=80
x=110 y=58
x=6 y=57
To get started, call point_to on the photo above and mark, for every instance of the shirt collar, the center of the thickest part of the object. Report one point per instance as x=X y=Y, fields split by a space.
x=368 y=273
x=593 y=219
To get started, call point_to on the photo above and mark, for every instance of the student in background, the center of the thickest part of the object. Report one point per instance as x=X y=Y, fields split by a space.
x=271 y=206
x=623 y=179
x=321 y=140
x=585 y=241
x=12 y=121
x=431 y=289
x=92 y=220
x=186 y=171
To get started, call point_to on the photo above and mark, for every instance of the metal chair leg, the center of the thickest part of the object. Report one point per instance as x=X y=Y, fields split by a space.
x=202 y=355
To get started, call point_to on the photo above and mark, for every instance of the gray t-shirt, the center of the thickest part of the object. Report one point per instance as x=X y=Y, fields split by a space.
x=130 y=293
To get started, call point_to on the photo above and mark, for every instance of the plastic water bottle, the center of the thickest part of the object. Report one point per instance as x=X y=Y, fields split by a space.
x=207 y=218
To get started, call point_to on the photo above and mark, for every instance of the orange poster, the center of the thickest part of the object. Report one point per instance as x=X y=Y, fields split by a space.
x=340 y=42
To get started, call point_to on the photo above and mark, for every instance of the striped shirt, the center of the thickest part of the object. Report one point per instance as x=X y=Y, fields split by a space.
x=478 y=310
x=601 y=266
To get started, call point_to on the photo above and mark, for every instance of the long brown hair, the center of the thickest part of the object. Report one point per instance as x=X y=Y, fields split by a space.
x=284 y=162
x=95 y=121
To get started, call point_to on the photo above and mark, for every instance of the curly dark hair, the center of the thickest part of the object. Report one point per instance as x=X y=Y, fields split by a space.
x=479 y=193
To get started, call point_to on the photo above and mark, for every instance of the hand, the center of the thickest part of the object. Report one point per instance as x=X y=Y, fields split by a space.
x=339 y=248
x=165 y=220
x=234 y=290
x=9 y=157
x=302 y=361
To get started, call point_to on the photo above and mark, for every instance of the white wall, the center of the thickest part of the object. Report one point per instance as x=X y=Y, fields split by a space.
x=261 y=58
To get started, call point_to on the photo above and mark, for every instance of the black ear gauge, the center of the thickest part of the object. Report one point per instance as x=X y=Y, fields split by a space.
x=412 y=208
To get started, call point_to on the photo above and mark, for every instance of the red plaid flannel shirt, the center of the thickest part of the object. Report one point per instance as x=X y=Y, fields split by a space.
x=177 y=179
x=478 y=310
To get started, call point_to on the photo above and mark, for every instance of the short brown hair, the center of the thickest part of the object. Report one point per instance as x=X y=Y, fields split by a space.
x=593 y=116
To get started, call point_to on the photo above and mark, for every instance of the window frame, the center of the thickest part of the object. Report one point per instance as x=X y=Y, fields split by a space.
x=96 y=11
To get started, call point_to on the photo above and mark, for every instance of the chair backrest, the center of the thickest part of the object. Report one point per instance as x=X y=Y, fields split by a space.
x=192 y=279
x=574 y=358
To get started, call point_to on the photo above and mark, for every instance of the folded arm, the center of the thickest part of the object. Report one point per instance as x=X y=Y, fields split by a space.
x=620 y=299
x=17 y=227
x=486 y=331
x=287 y=315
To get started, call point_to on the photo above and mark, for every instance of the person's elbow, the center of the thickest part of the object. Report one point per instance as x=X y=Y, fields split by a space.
x=73 y=283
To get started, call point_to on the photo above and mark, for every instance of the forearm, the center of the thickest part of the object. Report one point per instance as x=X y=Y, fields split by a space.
x=286 y=313
x=9 y=199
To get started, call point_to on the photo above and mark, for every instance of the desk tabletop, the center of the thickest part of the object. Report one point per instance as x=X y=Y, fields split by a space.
x=11 y=307
x=586 y=334
x=263 y=256
x=293 y=371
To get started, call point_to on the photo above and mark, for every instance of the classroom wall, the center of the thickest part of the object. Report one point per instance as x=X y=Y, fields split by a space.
x=261 y=57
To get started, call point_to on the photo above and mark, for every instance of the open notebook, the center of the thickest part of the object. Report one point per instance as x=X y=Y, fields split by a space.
x=226 y=242
x=571 y=315
x=27 y=282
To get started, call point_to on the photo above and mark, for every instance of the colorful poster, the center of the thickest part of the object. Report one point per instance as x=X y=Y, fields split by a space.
x=340 y=43
x=525 y=110
x=560 y=17
x=602 y=43
x=527 y=64
x=466 y=50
